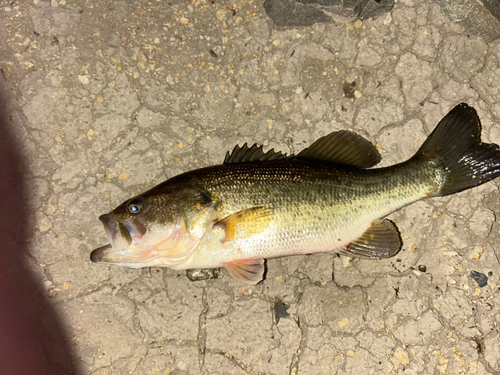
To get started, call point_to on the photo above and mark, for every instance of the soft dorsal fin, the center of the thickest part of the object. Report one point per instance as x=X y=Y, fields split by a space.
x=247 y=154
x=342 y=148
x=381 y=240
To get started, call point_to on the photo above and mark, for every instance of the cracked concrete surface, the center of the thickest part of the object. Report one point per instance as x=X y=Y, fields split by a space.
x=108 y=98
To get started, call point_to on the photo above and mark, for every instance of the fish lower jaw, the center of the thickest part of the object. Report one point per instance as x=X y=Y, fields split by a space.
x=154 y=262
x=130 y=257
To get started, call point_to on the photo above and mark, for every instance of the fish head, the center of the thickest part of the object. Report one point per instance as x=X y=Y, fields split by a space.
x=156 y=229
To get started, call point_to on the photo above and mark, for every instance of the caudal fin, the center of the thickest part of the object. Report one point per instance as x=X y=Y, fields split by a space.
x=456 y=149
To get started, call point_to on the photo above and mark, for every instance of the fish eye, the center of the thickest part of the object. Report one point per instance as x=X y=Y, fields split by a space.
x=134 y=207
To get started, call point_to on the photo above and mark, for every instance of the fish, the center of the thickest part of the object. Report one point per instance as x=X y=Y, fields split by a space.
x=328 y=198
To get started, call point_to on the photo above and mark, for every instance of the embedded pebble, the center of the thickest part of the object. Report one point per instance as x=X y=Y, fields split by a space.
x=89 y=361
x=480 y=278
x=402 y=356
x=84 y=79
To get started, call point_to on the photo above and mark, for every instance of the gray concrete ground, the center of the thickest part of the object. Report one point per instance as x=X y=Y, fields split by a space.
x=108 y=98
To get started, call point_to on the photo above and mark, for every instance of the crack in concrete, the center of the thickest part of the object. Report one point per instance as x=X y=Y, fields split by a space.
x=295 y=361
x=202 y=330
x=235 y=361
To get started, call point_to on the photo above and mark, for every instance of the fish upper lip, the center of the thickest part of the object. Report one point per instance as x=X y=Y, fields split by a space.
x=117 y=232
x=110 y=224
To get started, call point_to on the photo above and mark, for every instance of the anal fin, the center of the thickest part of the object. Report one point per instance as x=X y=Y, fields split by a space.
x=381 y=240
x=249 y=271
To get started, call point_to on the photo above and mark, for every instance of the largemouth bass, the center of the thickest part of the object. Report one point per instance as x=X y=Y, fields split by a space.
x=260 y=205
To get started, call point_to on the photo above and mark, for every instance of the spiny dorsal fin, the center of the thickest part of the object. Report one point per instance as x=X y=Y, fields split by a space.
x=247 y=154
x=342 y=148
x=380 y=241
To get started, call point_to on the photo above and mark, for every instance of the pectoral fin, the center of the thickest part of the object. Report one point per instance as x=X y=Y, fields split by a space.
x=248 y=271
x=380 y=241
x=246 y=223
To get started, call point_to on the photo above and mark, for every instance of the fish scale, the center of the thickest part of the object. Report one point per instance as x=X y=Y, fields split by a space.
x=313 y=205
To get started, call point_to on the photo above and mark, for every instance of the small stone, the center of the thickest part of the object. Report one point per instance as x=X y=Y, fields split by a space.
x=100 y=99
x=350 y=353
x=51 y=206
x=43 y=222
x=47 y=284
x=221 y=13
x=276 y=42
x=358 y=24
x=182 y=365
x=184 y=20
x=344 y=322
x=346 y=261
x=84 y=79
x=480 y=278
x=358 y=94
x=125 y=176
x=388 y=19
x=482 y=222
x=90 y=133
x=65 y=286
x=141 y=56
x=402 y=356
x=89 y=361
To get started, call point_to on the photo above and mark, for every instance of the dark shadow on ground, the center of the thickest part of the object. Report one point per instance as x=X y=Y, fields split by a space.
x=32 y=338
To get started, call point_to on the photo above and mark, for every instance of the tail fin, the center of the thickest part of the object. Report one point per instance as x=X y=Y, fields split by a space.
x=455 y=147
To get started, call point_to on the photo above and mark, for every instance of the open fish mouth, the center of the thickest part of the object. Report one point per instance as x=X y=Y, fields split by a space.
x=124 y=248
x=118 y=235
x=119 y=241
